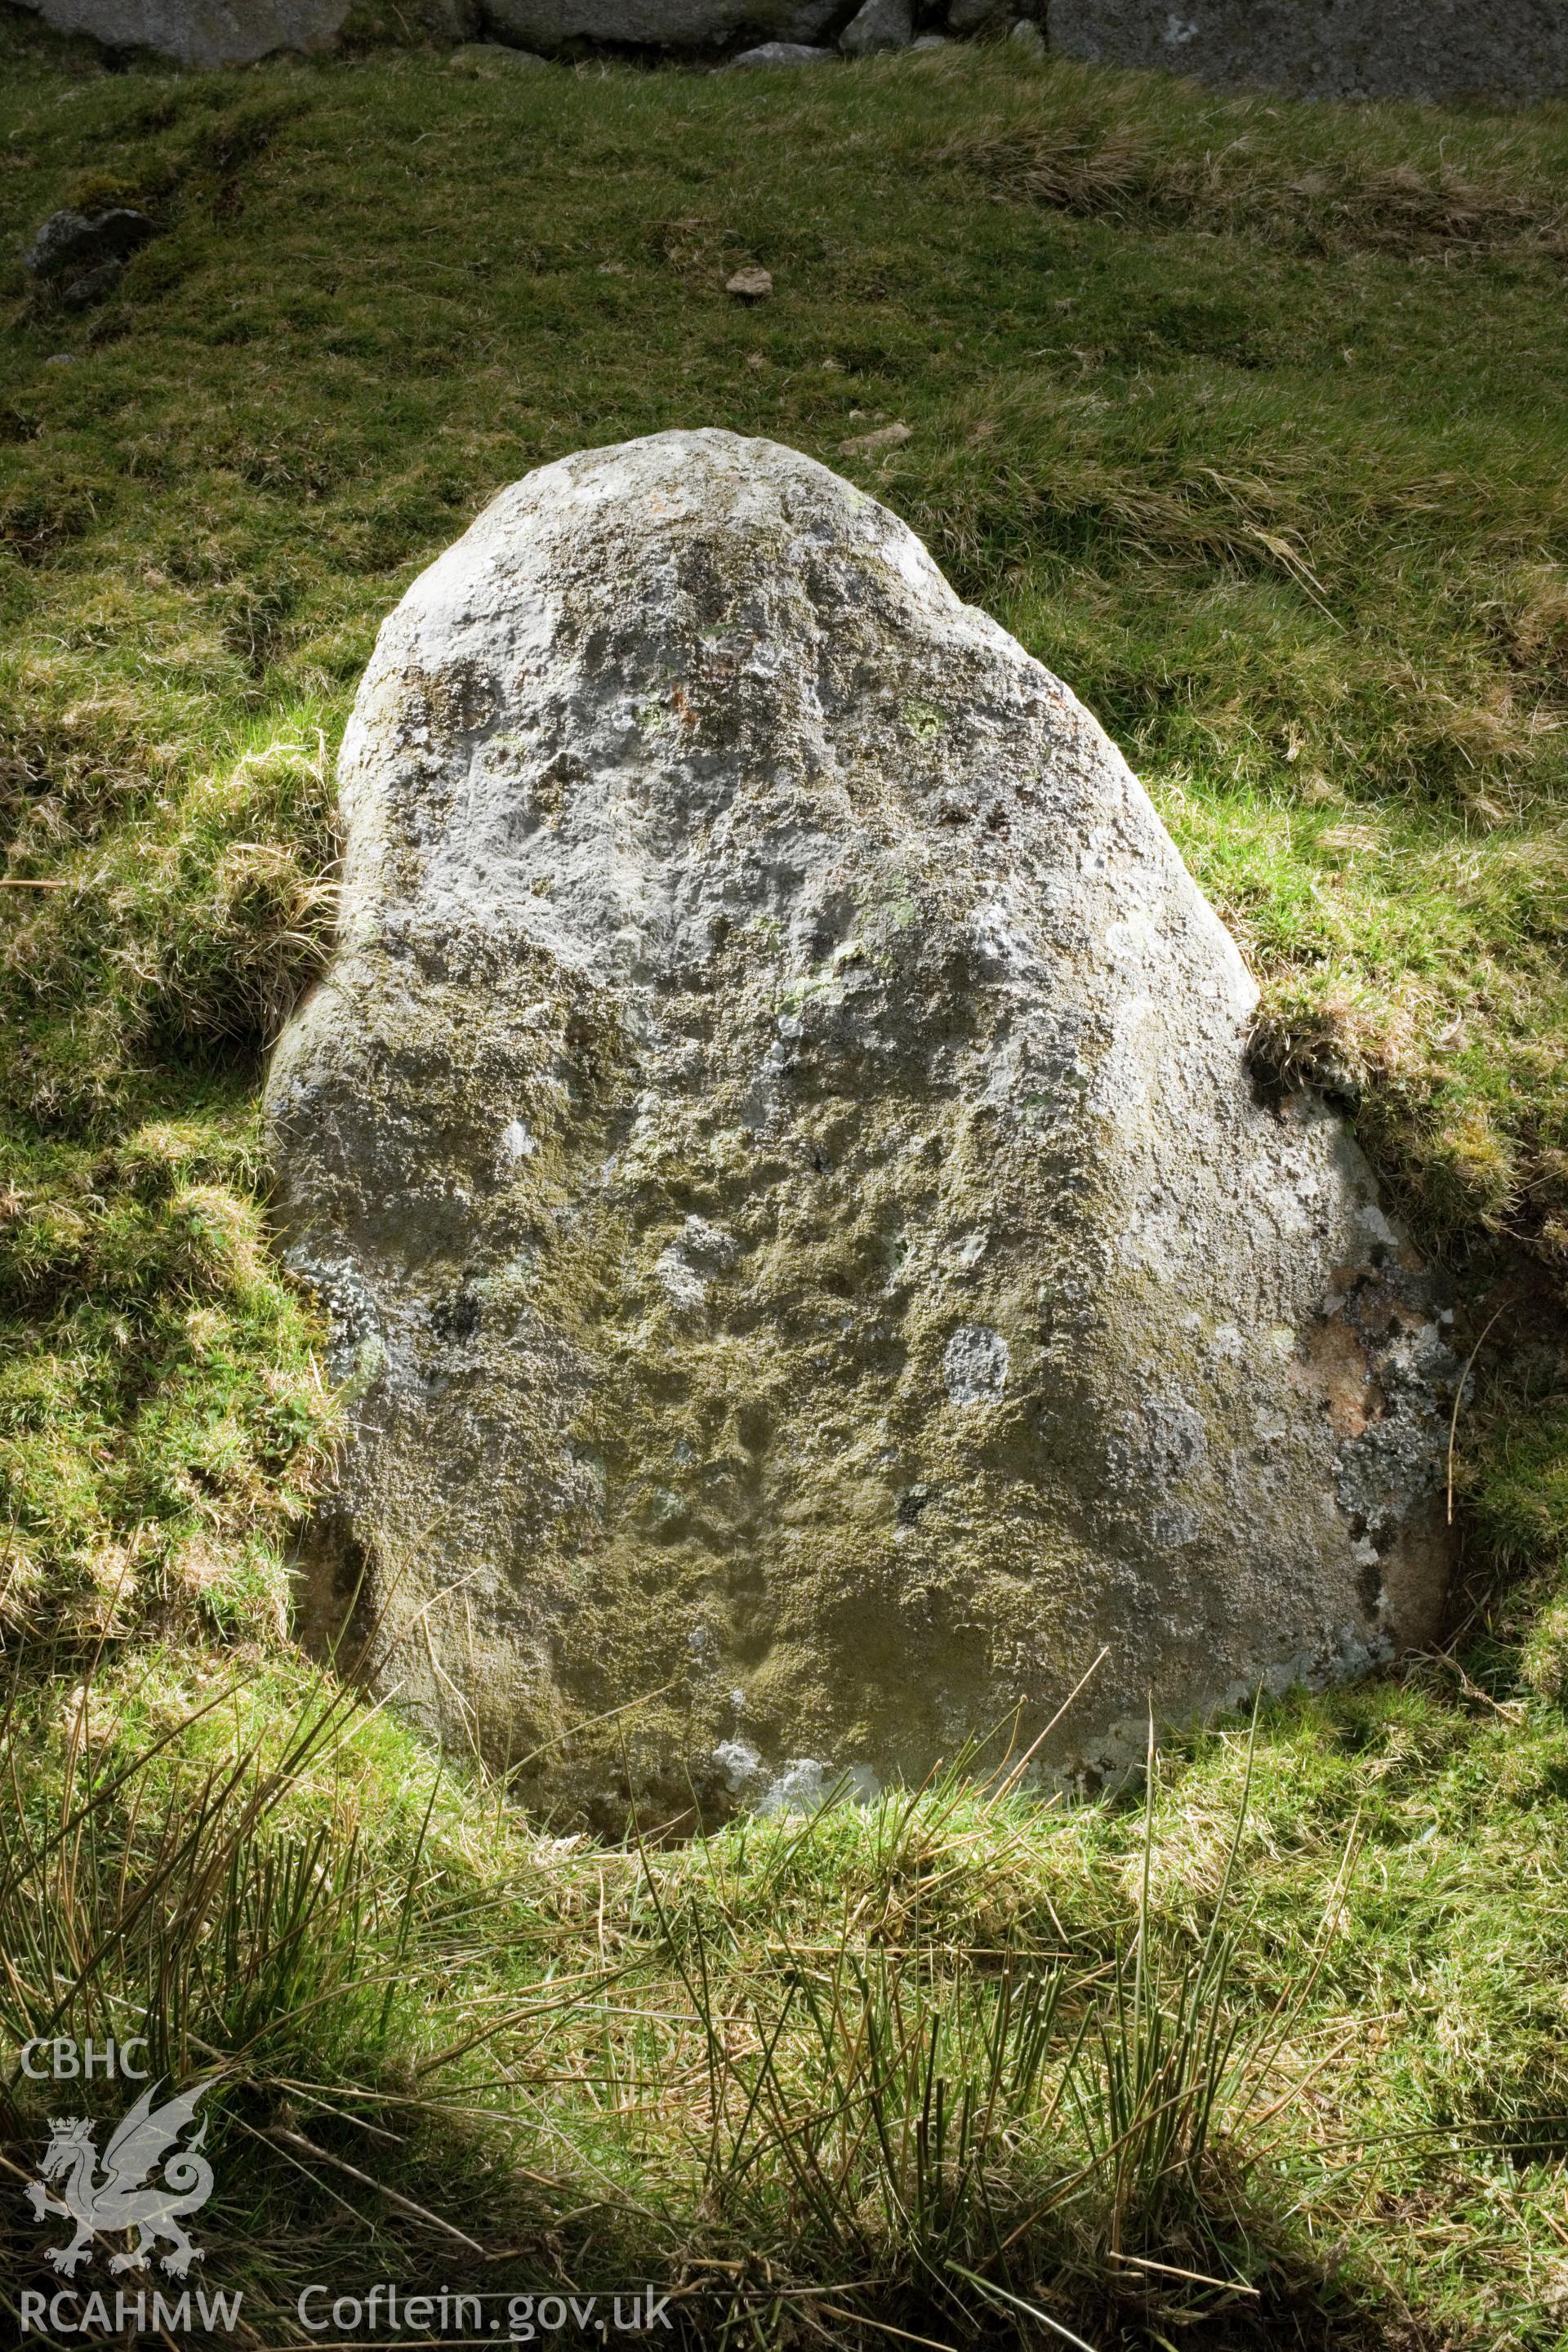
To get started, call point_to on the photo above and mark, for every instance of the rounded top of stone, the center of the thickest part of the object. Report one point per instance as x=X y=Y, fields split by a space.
x=688 y=483
x=686 y=459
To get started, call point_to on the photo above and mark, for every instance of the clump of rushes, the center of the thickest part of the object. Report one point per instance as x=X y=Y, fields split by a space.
x=582 y=2064
x=1232 y=2058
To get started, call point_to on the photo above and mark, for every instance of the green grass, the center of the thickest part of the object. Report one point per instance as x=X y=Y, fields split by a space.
x=1247 y=419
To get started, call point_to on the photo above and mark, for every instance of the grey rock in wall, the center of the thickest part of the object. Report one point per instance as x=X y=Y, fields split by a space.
x=555 y=27
x=204 y=33
x=802 y=1247
x=1509 y=49
x=781 y=53
x=878 y=25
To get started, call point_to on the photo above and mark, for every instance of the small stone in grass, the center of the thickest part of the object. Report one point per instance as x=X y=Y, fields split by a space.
x=70 y=242
x=78 y=256
x=866 y=444
x=750 y=284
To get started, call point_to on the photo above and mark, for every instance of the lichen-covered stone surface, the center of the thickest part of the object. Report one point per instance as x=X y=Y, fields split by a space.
x=803 y=1250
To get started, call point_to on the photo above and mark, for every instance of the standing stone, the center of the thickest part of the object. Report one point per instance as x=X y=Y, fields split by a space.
x=804 y=1249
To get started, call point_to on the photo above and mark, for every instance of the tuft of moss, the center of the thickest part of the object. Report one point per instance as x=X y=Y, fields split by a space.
x=162 y=1417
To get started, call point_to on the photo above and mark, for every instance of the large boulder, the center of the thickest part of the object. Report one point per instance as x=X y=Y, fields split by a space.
x=804 y=1252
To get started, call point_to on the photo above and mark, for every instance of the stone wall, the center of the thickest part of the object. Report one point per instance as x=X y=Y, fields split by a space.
x=1508 y=50
x=1515 y=50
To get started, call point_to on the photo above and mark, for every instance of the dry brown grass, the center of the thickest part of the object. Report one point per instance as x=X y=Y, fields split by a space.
x=1122 y=168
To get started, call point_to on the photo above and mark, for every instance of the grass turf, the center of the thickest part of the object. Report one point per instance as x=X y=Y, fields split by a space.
x=1246 y=417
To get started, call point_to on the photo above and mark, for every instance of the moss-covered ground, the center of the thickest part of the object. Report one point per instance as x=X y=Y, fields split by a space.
x=1249 y=419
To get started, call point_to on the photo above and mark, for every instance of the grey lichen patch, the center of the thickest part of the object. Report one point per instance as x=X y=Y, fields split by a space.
x=974 y=1364
x=788 y=1188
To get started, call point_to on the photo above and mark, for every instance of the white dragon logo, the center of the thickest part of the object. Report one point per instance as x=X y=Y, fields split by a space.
x=122 y=2200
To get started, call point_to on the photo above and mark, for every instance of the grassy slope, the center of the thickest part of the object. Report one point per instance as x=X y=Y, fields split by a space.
x=1248 y=420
